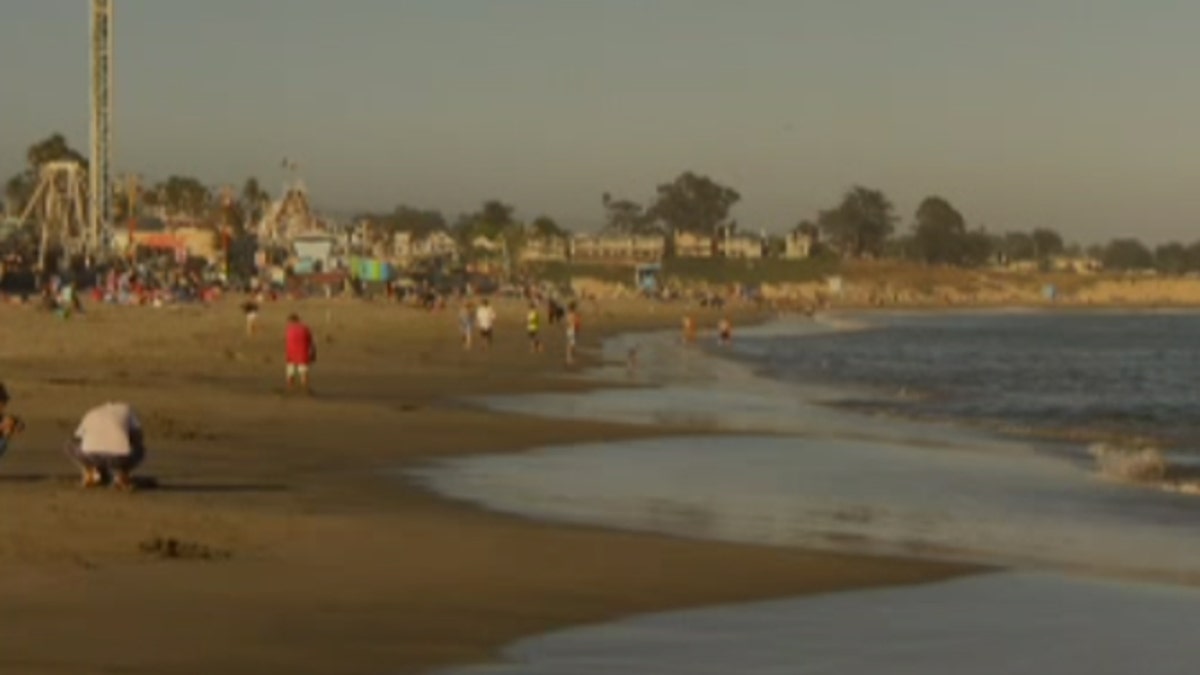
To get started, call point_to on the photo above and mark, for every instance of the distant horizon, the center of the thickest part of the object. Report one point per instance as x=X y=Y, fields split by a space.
x=1079 y=118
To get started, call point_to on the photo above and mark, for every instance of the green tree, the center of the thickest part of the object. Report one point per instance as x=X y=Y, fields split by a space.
x=939 y=233
x=808 y=229
x=978 y=248
x=860 y=225
x=254 y=199
x=1193 y=257
x=694 y=203
x=1172 y=258
x=623 y=216
x=544 y=227
x=495 y=217
x=19 y=188
x=1019 y=246
x=1127 y=255
x=184 y=196
x=53 y=148
x=1047 y=243
x=417 y=222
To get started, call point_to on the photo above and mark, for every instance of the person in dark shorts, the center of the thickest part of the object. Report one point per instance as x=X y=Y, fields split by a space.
x=108 y=445
x=250 y=308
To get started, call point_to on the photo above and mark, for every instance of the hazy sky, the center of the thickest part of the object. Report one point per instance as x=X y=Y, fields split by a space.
x=1082 y=115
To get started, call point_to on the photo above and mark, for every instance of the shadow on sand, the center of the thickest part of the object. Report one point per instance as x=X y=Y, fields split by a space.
x=151 y=483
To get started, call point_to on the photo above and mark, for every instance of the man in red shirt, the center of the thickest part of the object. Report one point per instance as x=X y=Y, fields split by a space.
x=301 y=353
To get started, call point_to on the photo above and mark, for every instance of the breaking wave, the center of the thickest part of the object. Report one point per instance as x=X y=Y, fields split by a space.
x=1146 y=466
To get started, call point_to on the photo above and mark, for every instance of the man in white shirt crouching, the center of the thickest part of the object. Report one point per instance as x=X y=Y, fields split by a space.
x=108 y=445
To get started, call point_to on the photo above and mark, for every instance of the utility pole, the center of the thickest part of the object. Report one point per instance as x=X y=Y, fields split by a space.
x=99 y=173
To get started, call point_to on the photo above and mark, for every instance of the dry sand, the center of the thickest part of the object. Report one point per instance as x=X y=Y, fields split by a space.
x=298 y=552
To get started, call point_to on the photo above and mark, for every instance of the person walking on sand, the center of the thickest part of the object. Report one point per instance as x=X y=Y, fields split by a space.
x=572 y=329
x=108 y=445
x=725 y=331
x=533 y=325
x=10 y=425
x=301 y=352
x=466 y=324
x=250 y=308
x=689 y=330
x=485 y=318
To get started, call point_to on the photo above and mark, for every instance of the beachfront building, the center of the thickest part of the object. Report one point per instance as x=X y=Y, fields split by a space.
x=742 y=247
x=549 y=248
x=313 y=253
x=614 y=248
x=1076 y=264
x=183 y=240
x=691 y=245
x=798 y=245
x=487 y=247
x=437 y=245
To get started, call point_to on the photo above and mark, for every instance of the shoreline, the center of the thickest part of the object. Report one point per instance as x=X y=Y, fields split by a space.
x=333 y=566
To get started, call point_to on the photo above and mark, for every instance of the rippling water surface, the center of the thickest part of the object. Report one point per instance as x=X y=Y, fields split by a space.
x=1087 y=529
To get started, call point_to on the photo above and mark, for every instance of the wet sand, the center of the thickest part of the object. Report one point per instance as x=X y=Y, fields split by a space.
x=298 y=552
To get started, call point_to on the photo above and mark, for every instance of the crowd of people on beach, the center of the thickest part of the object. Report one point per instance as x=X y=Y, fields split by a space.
x=109 y=442
x=480 y=318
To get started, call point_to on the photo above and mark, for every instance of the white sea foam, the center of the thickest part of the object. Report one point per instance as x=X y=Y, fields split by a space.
x=1145 y=466
x=1138 y=465
x=840 y=480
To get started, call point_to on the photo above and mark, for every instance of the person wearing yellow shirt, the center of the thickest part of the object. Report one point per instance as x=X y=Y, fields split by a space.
x=533 y=325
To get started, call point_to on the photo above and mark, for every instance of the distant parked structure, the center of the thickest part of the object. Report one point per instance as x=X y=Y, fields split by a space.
x=617 y=248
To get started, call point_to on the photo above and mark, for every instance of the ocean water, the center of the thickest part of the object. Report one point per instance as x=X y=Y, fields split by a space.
x=1016 y=624
x=1086 y=374
x=1088 y=530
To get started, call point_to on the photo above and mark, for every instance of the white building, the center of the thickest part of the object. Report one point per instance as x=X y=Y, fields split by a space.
x=742 y=247
x=617 y=248
x=798 y=245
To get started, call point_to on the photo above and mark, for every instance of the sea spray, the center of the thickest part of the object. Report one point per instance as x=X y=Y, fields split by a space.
x=1144 y=465
x=1136 y=465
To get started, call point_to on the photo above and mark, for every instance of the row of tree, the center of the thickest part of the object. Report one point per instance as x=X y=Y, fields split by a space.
x=864 y=224
x=184 y=196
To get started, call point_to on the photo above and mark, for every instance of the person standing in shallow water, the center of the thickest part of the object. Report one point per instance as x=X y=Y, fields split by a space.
x=725 y=332
x=301 y=353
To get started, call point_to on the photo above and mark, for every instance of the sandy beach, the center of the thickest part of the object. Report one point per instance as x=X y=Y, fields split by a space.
x=297 y=549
